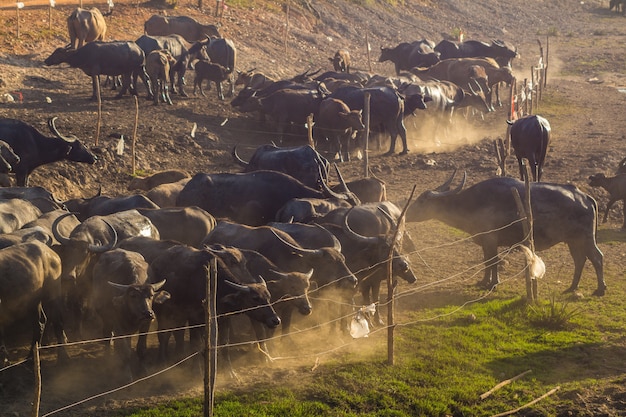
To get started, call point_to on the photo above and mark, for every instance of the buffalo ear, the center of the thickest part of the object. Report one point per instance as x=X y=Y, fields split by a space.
x=161 y=296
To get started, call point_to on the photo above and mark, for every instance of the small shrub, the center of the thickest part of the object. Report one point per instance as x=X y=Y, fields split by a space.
x=553 y=315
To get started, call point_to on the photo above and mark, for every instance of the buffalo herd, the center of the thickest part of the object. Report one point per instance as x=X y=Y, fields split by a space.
x=281 y=235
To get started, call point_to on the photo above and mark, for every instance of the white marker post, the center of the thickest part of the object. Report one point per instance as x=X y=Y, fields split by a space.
x=19 y=5
x=52 y=4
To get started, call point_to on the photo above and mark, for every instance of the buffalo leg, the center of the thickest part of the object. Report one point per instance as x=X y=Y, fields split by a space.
x=95 y=83
x=608 y=207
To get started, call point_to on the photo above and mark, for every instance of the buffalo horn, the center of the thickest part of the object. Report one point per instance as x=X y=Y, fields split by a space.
x=326 y=188
x=341 y=180
x=446 y=185
x=104 y=248
x=118 y=286
x=238 y=159
x=336 y=242
x=451 y=192
x=237 y=286
x=297 y=249
x=54 y=129
x=354 y=235
x=55 y=229
x=158 y=285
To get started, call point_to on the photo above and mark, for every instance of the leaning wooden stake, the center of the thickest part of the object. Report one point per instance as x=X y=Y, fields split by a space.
x=390 y=304
x=134 y=141
x=366 y=152
x=99 y=98
x=37 y=369
x=536 y=400
x=503 y=384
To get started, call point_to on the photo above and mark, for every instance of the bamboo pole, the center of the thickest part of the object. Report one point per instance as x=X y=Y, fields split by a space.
x=367 y=49
x=536 y=400
x=366 y=153
x=390 y=304
x=545 y=65
x=37 y=370
x=286 y=25
x=503 y=384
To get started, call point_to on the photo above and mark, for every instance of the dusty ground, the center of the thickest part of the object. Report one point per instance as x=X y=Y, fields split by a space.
x=587 y=57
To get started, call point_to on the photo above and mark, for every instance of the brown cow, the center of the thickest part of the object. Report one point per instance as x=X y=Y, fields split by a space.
x=158 y=64
x=86 y=26
x=337 y=124
x=341 y=61
x=187 y=27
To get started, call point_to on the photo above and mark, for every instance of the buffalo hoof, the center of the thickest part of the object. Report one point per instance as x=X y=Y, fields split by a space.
x=599 y=291
x=183 y=94
x=404 y=152
x=487 y=285
x=388 y=153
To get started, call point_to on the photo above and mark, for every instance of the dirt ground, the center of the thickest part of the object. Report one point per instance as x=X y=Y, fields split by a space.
x=586 y=60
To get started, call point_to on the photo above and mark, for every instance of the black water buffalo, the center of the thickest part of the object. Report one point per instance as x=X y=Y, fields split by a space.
x=15 y=213
x=186 y=271
x=337 y=125
x=285 y=107
x=46 y=220
x=187 y=27
x=616 y=187
x=387 y=108
x=408 y=55
x=35 y=149
x=499 y=50
x=80 y=250
x=210 y=72
x=86 y=26
x=487 y=211
x=105 y=58
x=251 y=198
x=101 y=205
x=30 y=292
x=222 y=51
x=530 y=137
x=306 y=210
x=188 y=225
x=180 y=50
x=341 y=61
x=158 y=67
x=301 y=162
x=38 y=196
x=123 y=299
x=328 y=262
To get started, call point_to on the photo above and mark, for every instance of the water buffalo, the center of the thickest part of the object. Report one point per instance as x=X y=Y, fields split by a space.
x=487 y=211
x=187 y=27
x=530 y=137
x=341 y=61
x=86 y=26
x=35 y=149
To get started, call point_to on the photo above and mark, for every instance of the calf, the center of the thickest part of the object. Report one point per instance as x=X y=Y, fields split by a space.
x=212 y=72
x=341 y=61
x=337 y=124
x=158 y=65
x=616 y=186
x=253 y=80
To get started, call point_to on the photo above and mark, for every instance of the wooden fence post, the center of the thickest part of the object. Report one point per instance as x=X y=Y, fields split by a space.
x=367 y=49
x=210 y=358
x=397 y=236
x=37 y=370
x=366 y=116
x=309 y=126
x=134 y=141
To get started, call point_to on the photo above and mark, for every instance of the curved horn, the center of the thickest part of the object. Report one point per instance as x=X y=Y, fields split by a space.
x=237 y=286
x=446 y=185
x=354 y=235
x=297 y=249
x=451 y=192
x=53 y=128
x=118 y=286
x=158 y=285
x=63 y=240
x=104 y=248
x=388 y=216
x=336 y=242
x=238 y=159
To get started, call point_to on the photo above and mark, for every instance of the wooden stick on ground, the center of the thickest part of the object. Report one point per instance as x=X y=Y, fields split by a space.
x=536 y=400
x=502 y=384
